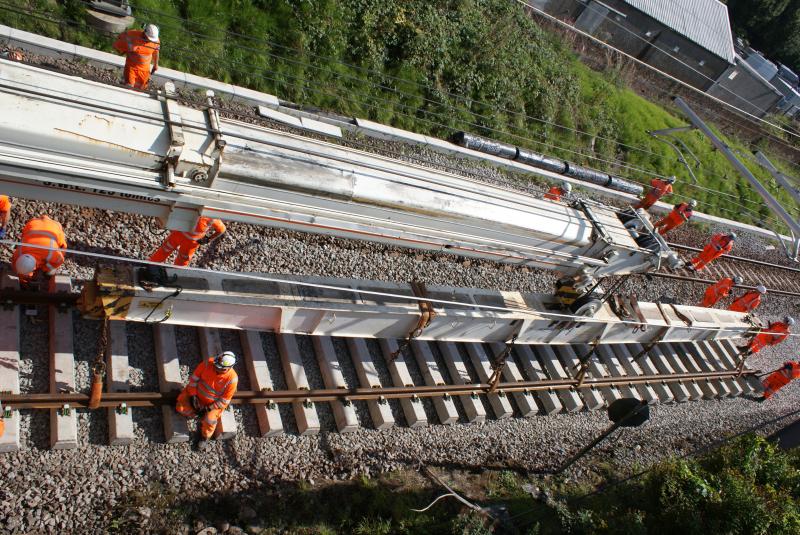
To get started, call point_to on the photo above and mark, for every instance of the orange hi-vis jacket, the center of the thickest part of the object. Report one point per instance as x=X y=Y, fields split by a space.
x=680 y=214
x=5 y=204
x=773 y=335
x=213 y=390
x=746 y=302
x=186 y=243
x=202 y=226
x=139 y=52
x=658 y=189
x=554 y=193
x=780 y=378
x=720 y=245
x=42 y=231
x=715 y=292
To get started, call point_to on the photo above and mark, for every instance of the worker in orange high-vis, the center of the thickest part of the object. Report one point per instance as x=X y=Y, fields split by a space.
x=781 y=377
x=209 y=392
x=774 y=334
x=658 y=189
x=186 y=243
x=28 y=261
x=141 y=55
x=5 y=214
x=680 y=214
x=749 y=301
x=719 y=290
x=556 y=192
x=720 y=244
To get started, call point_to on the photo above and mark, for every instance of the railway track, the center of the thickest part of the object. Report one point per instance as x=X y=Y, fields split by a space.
x=355 y=379
x=778 y=279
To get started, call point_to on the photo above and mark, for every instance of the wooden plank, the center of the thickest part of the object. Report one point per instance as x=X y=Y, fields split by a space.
x=534 y=372
x=473 y=407
x=120 y=420
x=9 y=364
x=267 y=414
x=169 y=380
x=444 y=405
x=63 y=422
x=305 y=413
x=398 y=370
x=379 y=410
x=344 y=413
x=499 y=402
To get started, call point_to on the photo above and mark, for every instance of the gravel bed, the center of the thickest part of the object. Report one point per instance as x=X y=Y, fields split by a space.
x=75 y=490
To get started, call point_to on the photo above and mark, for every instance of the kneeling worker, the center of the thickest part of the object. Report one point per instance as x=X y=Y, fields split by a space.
x=680 y=214
x=556 y=192
x=186 y=243
x=5 y=214
x=211 y=388
x=27 y=261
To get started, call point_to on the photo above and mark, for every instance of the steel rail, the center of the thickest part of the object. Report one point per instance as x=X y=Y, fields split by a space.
x=686 y=278
x=254 y=397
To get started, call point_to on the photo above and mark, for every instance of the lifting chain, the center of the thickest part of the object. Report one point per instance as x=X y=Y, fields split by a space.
x=99 y=367
x=500 y=361
x=426 y=315
x=583 y=364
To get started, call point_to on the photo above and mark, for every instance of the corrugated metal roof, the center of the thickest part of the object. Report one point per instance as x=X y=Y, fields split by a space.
x=703 y=21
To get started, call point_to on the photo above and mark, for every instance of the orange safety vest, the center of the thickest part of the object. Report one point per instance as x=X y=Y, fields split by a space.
x=717 y=291
x=746 y=302
x=214 y=390
x=721 y=242
x=776 y=333
x=660 y=188
x=138 y=49
x=5 y=203
x=201 y=228
x=554 y=193
x=45 y=232
x=780 y=378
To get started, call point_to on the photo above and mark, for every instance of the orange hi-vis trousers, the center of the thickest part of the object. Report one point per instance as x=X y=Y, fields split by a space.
x=176 y=241
x=209 y=421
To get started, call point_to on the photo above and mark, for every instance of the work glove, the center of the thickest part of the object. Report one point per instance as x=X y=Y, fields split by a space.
x=195 y=403
x=154 y=69
x=2 y=233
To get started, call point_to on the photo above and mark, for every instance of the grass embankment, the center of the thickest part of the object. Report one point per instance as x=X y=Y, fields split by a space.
x=745 y=488
x=428 y=66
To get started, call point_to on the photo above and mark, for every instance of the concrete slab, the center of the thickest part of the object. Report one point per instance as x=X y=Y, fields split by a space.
x=723 y=386
x=445 y=406
x=267 y=414
x=501 y=406
x=730 y=352
x=63 y=422
x=570 y=399
x=592 y=397
x=612 y=363
x=511 y=374
x=9 y=364
x=709 y=388
x=379 y=411
x=169 y=380
x=670 y=357
x=473 y=408
x=664 y=393
x=305 y=413
x=344 y=413
x=714 y=359
x=120 y=420
x=281 y=117
x=534 y=372
x=632 y=369
x=398 y=369
x=210 y=345
x=321 y=127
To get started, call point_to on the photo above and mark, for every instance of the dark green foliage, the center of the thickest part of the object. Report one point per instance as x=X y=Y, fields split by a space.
x=772 y=26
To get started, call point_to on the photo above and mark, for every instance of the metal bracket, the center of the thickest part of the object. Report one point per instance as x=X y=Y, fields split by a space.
x=122 y=409
x=66 y=410
x=175 y=127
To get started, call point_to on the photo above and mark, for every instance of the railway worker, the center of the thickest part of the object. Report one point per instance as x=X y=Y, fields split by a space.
x=141 y=55
x=27 y=262
x=556 y=192
x=186 y=243
x=658 y=188
x=5 y=214
x=719 y=290
x=680 y=214
x=749 y=301
x=774 y=334
x=781 y=377
x=209 y=391
x=720 y=245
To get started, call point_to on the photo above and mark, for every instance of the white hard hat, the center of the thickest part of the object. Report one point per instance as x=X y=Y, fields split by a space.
x=761 y=289
x=737 y=279
x=788 y=320
x=151 y=32
x=693 y=203
x=732 y=235
x=25 y=264
x=671 y=179
x=567 y=187
x=225 y=360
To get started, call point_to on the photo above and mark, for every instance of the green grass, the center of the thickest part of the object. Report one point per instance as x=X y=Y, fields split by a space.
x=429 y=66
